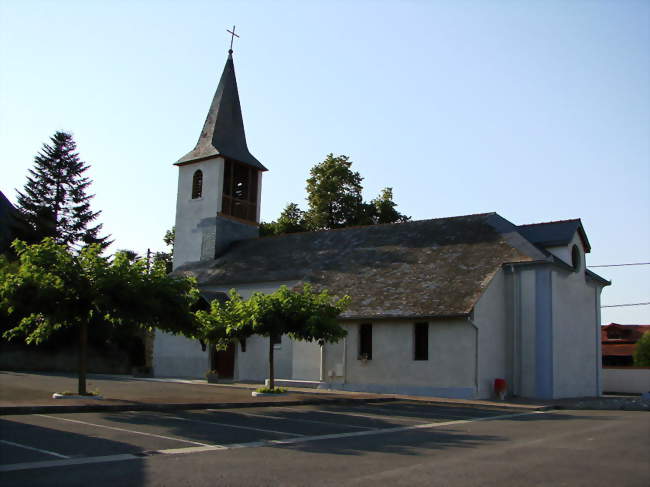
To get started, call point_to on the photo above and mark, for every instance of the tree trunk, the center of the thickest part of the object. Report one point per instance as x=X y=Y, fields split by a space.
x=83 y=356
x=271 y=373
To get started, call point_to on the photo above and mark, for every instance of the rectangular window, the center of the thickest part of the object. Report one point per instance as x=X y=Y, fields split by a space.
x=421 y=341
x=365 y=341
x=242 y=342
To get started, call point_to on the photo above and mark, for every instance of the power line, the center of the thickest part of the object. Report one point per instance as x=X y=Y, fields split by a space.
x=620 y=265
x=629 y=304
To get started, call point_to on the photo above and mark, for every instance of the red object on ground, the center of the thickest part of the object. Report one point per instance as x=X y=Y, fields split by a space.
x=500 y=385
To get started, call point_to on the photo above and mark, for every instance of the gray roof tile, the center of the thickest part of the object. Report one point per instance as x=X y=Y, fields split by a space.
x=427 y=268
x=223 y=132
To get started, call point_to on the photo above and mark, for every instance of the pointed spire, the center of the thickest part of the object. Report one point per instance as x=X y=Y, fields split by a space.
x=223 y=132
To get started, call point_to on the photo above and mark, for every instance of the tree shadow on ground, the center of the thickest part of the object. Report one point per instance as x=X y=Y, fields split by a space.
x=71 y=444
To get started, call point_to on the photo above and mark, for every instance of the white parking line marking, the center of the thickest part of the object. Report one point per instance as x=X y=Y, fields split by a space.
x=395 y=430
x=300 y=420
x=54 y=454
x=126 y=430
x=191 y=449
x=253 y=444
x=394 y=412
x=367 y=416
x=228 y=425
x=63 y=463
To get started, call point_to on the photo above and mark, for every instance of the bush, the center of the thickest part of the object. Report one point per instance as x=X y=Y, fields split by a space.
x=268 y=390
x=642 y=351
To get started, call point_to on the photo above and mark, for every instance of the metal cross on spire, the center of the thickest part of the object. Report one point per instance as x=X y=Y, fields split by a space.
x=232 y=37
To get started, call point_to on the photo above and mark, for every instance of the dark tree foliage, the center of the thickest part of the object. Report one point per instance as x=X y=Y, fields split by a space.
x=302 y=314
x=55 y=202
x=52 y=288
x=291 y=220
x=335 y=201
x=383 y=209
x=334 y=194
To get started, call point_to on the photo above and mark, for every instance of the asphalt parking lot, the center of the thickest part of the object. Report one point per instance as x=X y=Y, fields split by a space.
x=117 y=447
x=50 y=440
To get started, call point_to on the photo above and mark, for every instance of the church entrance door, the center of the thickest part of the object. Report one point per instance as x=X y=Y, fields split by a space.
x=223 y=361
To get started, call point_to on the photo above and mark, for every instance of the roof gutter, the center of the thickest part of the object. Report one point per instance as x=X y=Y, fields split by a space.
x=405 y=317
x=560 y=264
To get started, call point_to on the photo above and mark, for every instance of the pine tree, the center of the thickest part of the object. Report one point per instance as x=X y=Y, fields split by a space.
x=54 y=200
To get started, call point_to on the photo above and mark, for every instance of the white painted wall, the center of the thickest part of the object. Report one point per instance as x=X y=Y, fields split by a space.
x=626 y=379
x=575 y=337
x=526 y=348
x=305 y=360
x=449 y=372
x=177 y=356
x=491 y=320
x=564 y=251
x=190 y=212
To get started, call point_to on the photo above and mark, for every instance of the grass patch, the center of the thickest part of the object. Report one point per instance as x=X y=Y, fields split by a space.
x=70 y=393
x=268 y=390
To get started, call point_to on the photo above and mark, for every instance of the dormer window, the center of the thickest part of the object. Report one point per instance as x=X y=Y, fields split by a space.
x=240 y=191
x=575 y=258
x=197 y=184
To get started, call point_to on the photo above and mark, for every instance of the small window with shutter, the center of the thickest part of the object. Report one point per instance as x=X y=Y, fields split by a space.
x=421 y=341
x=365 y=341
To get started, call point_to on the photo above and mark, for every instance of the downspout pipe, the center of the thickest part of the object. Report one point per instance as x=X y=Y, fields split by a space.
x=471 y=322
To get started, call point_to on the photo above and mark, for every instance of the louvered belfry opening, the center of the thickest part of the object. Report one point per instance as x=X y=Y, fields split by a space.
x=240 y=191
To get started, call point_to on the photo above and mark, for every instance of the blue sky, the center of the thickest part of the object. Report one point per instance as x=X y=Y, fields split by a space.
x=538 y=110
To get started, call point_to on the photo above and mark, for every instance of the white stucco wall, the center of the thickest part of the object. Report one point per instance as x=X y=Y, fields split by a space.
x=449 y=371
x=491 y=320
x=305 y=360
x=177 y=356
x=575 y=335
x=253 y=364
x=626 y=379
x=190 y=212
x=526 y=346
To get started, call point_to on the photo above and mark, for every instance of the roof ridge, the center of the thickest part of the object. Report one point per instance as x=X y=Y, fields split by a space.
x=374 y=225
x=550 y=223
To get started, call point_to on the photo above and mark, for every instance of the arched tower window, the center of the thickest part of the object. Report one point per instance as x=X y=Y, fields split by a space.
x=240 y=183
x=575 y=258
x=197 y=184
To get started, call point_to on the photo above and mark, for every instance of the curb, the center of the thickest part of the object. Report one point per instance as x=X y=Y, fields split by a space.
x=95 y=408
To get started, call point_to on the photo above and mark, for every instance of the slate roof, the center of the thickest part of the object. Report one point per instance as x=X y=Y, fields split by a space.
x=427 y=268
x=11 y=224
x=6 y=221
x=223 y=130
x=549 y=234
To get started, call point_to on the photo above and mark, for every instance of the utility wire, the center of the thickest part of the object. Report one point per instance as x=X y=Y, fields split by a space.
x=620 y=265
x=629 y=304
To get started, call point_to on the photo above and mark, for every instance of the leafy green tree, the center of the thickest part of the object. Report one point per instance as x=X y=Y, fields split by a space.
x=54 y=201
x=291 y=220
x=302 y=315
x=54 y=288
x=335 y=201
x=383 y=209
x=334 y=194
x=642 y=351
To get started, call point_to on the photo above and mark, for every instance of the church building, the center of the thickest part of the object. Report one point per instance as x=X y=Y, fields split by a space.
x=440 y=307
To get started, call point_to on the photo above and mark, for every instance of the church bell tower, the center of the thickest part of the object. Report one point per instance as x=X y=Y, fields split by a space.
x=219 y=181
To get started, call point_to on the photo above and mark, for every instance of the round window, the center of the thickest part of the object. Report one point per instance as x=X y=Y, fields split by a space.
x=575 y=258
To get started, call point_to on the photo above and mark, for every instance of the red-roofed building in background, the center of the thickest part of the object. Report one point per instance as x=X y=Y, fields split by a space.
x=619 y=342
